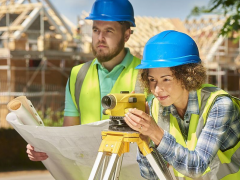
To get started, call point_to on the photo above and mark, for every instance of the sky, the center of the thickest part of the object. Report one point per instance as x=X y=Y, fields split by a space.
x=156 y=8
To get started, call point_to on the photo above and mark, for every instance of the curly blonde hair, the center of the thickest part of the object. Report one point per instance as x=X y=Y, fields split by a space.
x=191 y=76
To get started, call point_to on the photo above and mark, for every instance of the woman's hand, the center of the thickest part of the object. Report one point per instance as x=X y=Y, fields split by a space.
x=144 y=123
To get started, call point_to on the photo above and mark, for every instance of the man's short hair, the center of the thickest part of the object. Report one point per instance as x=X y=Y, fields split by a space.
x=125 y=25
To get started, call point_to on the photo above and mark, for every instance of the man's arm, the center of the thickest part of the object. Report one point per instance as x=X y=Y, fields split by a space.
x=71 y=121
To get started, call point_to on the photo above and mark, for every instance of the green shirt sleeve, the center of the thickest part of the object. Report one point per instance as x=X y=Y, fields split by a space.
x=70 y=109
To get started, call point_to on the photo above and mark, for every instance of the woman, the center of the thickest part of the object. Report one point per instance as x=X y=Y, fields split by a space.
x=195 y=126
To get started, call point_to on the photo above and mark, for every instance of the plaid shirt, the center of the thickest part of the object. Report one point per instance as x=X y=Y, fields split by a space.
x=221 y=131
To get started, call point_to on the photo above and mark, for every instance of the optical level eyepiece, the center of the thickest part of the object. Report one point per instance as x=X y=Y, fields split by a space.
x=108 y=102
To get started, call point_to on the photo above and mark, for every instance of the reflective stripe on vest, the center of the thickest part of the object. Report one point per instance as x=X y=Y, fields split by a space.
x=79 y=81
x=226 y=164
x=89 y=101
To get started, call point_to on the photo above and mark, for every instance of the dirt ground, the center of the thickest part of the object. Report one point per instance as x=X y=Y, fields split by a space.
x=19 y=173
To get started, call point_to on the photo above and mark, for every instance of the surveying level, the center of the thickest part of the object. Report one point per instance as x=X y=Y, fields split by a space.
x=116 y=141
x=117 y=105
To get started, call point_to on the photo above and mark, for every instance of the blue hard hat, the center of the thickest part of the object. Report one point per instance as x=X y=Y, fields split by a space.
x=169 y=48
x=112 y=10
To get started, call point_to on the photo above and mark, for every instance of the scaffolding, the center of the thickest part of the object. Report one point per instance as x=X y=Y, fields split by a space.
x=219 y=54
x=36 y=42
x=56 y=50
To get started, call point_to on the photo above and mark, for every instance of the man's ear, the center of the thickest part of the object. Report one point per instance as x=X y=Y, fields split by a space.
x=127 y=35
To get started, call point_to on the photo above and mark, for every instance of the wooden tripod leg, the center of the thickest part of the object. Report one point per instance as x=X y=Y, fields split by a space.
x=99 y=160
x=111 y=167
x=114 y=144
x=155 y=167
x=104 y=167
x=147 y=152
x=118 y=168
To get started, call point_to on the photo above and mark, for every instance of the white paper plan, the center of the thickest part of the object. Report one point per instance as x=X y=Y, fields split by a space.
x=72 y=150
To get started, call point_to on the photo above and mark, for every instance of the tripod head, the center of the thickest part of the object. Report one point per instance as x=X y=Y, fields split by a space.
x=117 y=105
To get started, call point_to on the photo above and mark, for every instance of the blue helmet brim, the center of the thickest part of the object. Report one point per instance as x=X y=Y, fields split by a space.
x=104 y=17
x=163 y=63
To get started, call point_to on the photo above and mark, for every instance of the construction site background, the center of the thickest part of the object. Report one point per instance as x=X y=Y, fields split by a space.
x=39 y=46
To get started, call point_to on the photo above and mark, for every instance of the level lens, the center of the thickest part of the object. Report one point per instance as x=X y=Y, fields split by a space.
x=108 y=102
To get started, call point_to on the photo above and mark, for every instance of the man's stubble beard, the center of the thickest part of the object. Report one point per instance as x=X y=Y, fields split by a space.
x=104 y=57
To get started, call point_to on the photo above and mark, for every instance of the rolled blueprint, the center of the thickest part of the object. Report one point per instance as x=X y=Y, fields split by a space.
x=13 y=118
x=25 y=111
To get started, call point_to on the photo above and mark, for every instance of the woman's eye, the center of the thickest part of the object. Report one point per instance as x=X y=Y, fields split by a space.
x=166 y=79
x=151 y=80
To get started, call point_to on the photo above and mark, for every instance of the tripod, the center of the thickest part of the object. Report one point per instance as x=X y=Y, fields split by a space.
x=114 y=144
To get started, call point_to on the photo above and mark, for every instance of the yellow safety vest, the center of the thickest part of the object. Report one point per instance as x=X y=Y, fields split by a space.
x=226 y=165
x=89 y=101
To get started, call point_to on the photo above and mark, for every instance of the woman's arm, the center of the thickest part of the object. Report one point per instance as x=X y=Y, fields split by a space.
x=212 y=138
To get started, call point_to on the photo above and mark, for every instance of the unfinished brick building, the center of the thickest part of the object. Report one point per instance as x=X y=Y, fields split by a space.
x=38 y=48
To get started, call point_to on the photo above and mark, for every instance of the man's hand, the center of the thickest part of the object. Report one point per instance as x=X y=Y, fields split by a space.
x=41 y=156
x=35 y=156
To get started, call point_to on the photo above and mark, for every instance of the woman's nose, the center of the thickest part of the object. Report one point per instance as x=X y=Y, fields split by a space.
x=158 y=88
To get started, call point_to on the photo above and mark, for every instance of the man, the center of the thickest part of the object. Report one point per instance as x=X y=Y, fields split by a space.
x=112 y=71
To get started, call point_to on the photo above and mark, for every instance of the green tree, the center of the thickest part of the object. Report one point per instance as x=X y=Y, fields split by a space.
x=228 y=8
x=52 y=118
